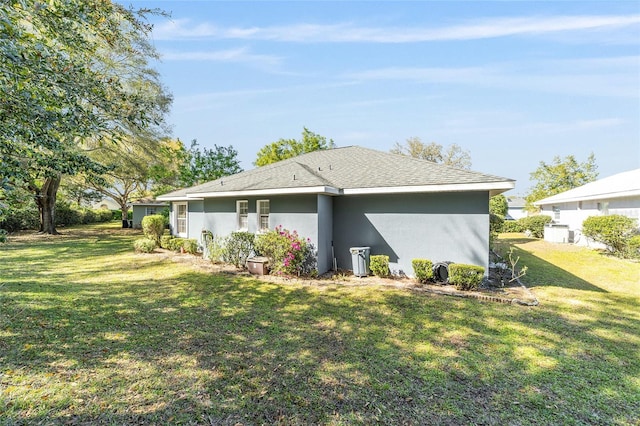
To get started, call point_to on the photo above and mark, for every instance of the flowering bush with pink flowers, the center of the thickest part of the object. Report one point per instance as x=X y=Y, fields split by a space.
x=288 y=253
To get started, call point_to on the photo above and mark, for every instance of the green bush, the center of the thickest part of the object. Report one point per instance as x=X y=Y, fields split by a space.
x=288 y=253
x=66 y=215
x=144 y=245
x=104 y=215
x=614 y=231
x=633 y=247
x=535 y=224
x=465 y=277
x=153 y=227
x=190 y=246
x=3 y=236
x=215 y=248
x=19 y=216
x=165 y=241
x=423 y=269
x=379 y=265
x=175 y=244
x=495 y=223
x=512 y=226
x=238 y=248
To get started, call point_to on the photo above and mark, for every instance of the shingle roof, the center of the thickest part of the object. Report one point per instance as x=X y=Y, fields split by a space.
x=344 y=169
x=619 y=185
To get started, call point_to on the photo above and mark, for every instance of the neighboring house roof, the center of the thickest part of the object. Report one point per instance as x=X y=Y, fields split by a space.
x=515 y=202
x=148 y=202
x=626 y=184
x=348 y=170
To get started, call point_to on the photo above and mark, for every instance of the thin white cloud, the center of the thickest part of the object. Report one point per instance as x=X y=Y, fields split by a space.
x=611 y=77
x=348 y=32
x=231 y=55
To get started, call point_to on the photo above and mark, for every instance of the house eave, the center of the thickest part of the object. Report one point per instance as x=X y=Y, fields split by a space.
x=591 y=197
x=181 y=198
x=493 y=187
x=327 y=190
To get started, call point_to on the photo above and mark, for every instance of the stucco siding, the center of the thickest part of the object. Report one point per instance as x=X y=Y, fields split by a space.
x=138 y=213
x=448 y=226
x=325 y=233
x=195 y=220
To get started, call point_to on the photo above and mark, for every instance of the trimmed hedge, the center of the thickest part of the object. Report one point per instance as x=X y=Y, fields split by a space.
x=633 y=247
x=144 y=245
x=153 y=227
x=379 y=265
x=614 y=231
x=512 y=226
x=465 y=277
x=190 y=245
x=535 y=224
x=165 y=241
x=423 y=269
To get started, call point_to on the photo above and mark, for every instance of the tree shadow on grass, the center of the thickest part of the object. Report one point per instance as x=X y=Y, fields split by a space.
x=202 y=348
x=541 y=273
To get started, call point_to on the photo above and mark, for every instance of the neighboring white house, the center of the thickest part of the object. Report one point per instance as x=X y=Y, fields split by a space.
x=617 y=194
x=515 y=206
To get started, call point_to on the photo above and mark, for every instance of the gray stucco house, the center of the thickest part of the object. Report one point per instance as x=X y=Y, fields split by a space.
x=145 y=207
x=347 y=197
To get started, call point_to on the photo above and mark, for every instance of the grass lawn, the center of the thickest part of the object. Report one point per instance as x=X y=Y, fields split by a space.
x=91 y=333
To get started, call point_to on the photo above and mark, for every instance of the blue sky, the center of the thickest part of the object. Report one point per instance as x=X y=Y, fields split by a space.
x=514 y=83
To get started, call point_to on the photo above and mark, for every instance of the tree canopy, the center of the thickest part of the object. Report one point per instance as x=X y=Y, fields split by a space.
x=70 y=71
x=288 y=148
x=453 y=155
x=562 y=174
x=202 y=165
x=498 y=205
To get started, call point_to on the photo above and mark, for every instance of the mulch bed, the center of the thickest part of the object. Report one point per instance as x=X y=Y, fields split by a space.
x=512 y=293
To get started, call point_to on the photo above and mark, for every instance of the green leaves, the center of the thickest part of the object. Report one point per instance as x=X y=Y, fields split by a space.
x=562 y=174
x=288 y=148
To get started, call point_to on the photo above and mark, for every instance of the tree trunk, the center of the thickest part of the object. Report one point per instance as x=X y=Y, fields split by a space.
x=125 y=213
x=46 y=201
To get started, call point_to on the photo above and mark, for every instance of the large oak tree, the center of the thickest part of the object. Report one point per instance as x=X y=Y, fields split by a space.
x=70 y=71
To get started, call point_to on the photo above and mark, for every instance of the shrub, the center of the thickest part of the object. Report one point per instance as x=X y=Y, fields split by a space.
x=215 y=248
x=238 y=248
x=165 y=241
x=512 y=226
x=153 y=227
x=67 y=216
x=633 y=247
x=465 y=277
x=288 y=253
x=423 y=269
x=379 y=264
x=144 y=245
x=614 y=231
x=190 y=245
x=3 y=236
x=175 y=244
x=535 y=224
x=20 y=216
x=104 y=215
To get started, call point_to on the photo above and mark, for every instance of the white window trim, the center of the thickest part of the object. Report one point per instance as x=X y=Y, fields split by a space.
x=186 y=219
x=259 y=215
x=238 y=215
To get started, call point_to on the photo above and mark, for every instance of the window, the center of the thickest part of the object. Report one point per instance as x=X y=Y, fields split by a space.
x=556 y=213
x=263 y=215
x=181 y=219
x=149 y=211
x=242 y=208
x=603 y=207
